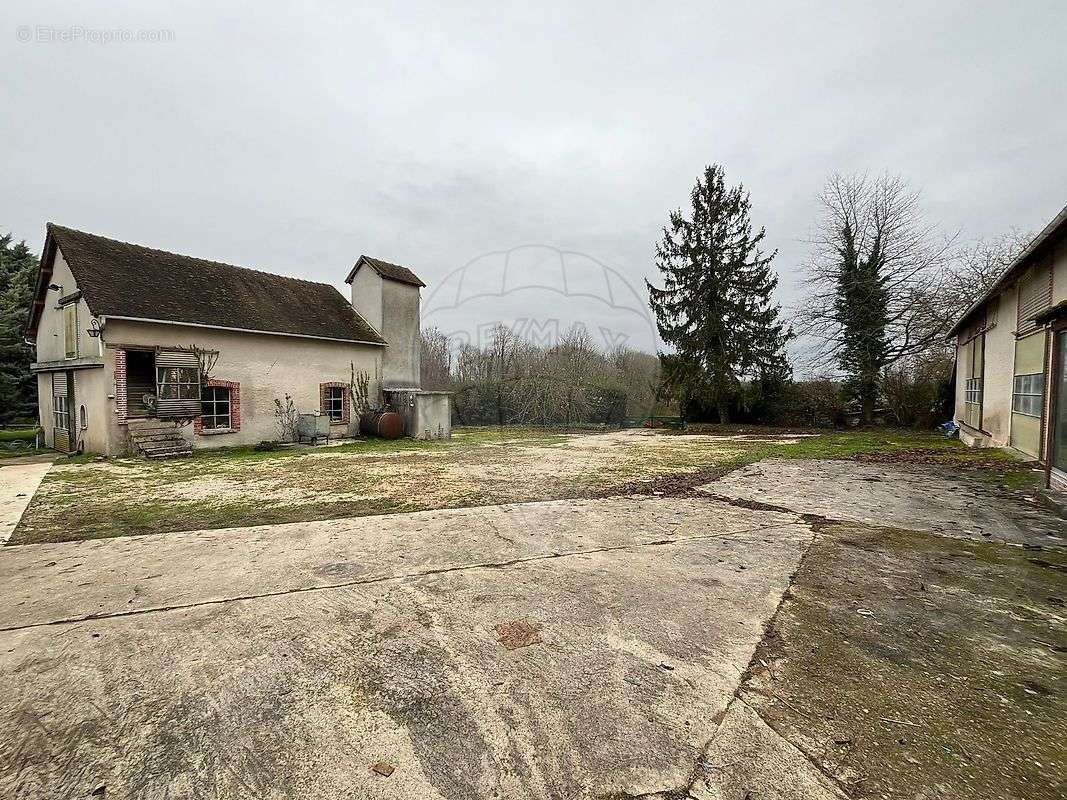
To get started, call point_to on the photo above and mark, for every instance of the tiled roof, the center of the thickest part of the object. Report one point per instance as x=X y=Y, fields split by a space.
x=127 y=280
x=386 y=270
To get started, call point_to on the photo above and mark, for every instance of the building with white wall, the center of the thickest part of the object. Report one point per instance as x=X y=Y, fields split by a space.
x=1011 y=364
x=139 y=349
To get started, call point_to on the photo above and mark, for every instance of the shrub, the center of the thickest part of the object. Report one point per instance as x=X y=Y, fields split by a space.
x=919 y=394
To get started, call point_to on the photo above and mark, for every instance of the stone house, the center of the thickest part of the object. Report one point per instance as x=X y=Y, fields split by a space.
x=142 y=350
x=1011 y=357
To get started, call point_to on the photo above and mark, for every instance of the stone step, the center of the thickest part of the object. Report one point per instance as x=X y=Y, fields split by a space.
x=170 y=454
x=158 y=441
x=157 y=436
x=149 y=431
x=167 y=449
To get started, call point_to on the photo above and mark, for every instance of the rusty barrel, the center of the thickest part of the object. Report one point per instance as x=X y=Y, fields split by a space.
x=386 y=424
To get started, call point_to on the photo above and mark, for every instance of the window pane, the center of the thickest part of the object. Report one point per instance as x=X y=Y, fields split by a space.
x=215 y=407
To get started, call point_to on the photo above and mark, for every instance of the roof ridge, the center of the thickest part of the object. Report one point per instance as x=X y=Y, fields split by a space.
x=125 y=279
x=387 y=269
x=53 y=225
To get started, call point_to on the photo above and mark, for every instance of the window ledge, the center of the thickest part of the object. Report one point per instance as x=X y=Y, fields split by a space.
x=974 y=429
x=215 y=431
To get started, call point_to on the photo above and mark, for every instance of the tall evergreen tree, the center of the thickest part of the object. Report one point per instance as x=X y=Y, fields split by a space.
x=715 y=308
x=18 y=387
x=861 y=309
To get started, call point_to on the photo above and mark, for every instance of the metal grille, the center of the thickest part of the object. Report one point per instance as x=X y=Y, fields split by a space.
x=1035 y=295
x=177 y=384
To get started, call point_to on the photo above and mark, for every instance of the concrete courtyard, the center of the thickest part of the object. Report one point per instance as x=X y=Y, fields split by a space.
x=657 y=646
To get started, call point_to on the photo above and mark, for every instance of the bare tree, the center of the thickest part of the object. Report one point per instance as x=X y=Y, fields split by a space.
x=513 y=380
x=874 y=279
x=639 y=374
x=436 y=359
x=976 y=266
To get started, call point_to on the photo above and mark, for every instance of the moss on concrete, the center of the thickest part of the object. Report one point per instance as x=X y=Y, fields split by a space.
x=908 y=665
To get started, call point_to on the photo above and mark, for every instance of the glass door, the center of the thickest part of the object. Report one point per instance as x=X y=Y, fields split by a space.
x=1059 y=404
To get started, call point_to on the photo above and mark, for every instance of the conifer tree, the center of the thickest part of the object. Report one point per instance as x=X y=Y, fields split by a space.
x=715 y=310
x=18 y=387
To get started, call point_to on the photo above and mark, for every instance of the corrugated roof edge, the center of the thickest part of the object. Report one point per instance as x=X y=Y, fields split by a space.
x=1047 y=232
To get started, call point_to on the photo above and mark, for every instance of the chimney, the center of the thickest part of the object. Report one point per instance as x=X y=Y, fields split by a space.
x=367 y=294
x=388 y=296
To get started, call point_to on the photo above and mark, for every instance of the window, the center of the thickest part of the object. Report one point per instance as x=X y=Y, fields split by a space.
x=215 y=408
x=335 y=403
x=70 y=329
x=84 y=418
x=60 y=412
x=972 y=357
x=178 y=383
x=1027 y=394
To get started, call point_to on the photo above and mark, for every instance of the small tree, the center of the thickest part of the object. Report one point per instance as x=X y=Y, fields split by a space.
x=715 y=309
x=285 y=417
x=359 y=390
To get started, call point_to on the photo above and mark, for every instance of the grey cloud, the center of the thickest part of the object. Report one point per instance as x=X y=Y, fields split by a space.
x=430 y=134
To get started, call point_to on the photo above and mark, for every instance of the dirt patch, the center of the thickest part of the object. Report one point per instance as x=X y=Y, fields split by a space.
x=675 y=485
x=907 y=665
x=214 y=490
x=520 y=633
x=974 y=459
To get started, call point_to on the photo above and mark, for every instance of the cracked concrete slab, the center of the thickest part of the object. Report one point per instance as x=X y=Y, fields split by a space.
x=749 y=759
x=55 y=582
x=18 y=483
x=891 y=496
x=288 y=661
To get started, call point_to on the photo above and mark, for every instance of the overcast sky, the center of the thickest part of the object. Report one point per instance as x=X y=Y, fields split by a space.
x=437 y=136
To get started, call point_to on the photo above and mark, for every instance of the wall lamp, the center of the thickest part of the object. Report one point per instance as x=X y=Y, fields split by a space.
x=94 y=329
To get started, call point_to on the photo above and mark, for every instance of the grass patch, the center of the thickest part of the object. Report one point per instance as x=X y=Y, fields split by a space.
x=19 y=435
x=236 y=487
x=18 y=442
